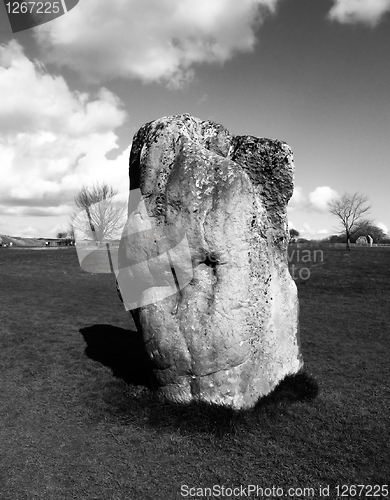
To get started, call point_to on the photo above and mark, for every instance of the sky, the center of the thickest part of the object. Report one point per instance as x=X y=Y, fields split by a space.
x=312 y=73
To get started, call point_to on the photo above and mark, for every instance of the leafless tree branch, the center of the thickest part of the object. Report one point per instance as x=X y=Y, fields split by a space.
x=350 y=210
x=100 y=216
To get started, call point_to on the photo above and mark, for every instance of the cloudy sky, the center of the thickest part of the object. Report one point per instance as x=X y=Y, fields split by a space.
x=313 y=73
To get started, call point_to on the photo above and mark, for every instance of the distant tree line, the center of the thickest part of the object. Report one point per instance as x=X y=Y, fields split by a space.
x=68 y=236
x=294 y=235
x=375 y=232
x=351 y=211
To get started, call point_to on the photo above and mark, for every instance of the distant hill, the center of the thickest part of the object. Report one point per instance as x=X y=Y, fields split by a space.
x=21 y=242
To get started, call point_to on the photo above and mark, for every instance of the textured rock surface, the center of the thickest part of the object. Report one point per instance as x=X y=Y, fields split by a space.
x=362 y=240
x=231 y=334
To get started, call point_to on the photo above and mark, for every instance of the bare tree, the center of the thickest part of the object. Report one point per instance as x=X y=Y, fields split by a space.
x=350 y=209
x=68 y=235
x=101 y=216
x=71 y=234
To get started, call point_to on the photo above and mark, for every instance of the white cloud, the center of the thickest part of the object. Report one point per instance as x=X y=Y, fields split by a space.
x=297 y=200
x=382 y=226
x=368 y=12
x=29 y=232
x=319 y=198
x=316 y=201
x=306 y=231
x=33 y=227
x=49 y=105
x=36 y=211
x=52 y=140
x=158 y=40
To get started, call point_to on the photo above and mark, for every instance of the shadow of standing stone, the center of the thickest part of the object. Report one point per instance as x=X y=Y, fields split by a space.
x=121 y=350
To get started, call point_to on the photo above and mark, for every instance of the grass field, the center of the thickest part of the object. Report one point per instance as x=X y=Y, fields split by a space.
x=77 y=422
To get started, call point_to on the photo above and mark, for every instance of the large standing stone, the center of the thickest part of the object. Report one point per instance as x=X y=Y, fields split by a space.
x=225 y=328
x=362 y=240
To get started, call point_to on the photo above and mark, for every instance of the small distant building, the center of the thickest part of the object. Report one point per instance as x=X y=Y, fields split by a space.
x=57 y=242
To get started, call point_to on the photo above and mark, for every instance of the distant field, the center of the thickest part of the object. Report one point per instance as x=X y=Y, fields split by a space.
x=21 y=242
x=77 y=422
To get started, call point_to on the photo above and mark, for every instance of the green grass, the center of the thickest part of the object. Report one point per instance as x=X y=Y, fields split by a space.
x=77 y=422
